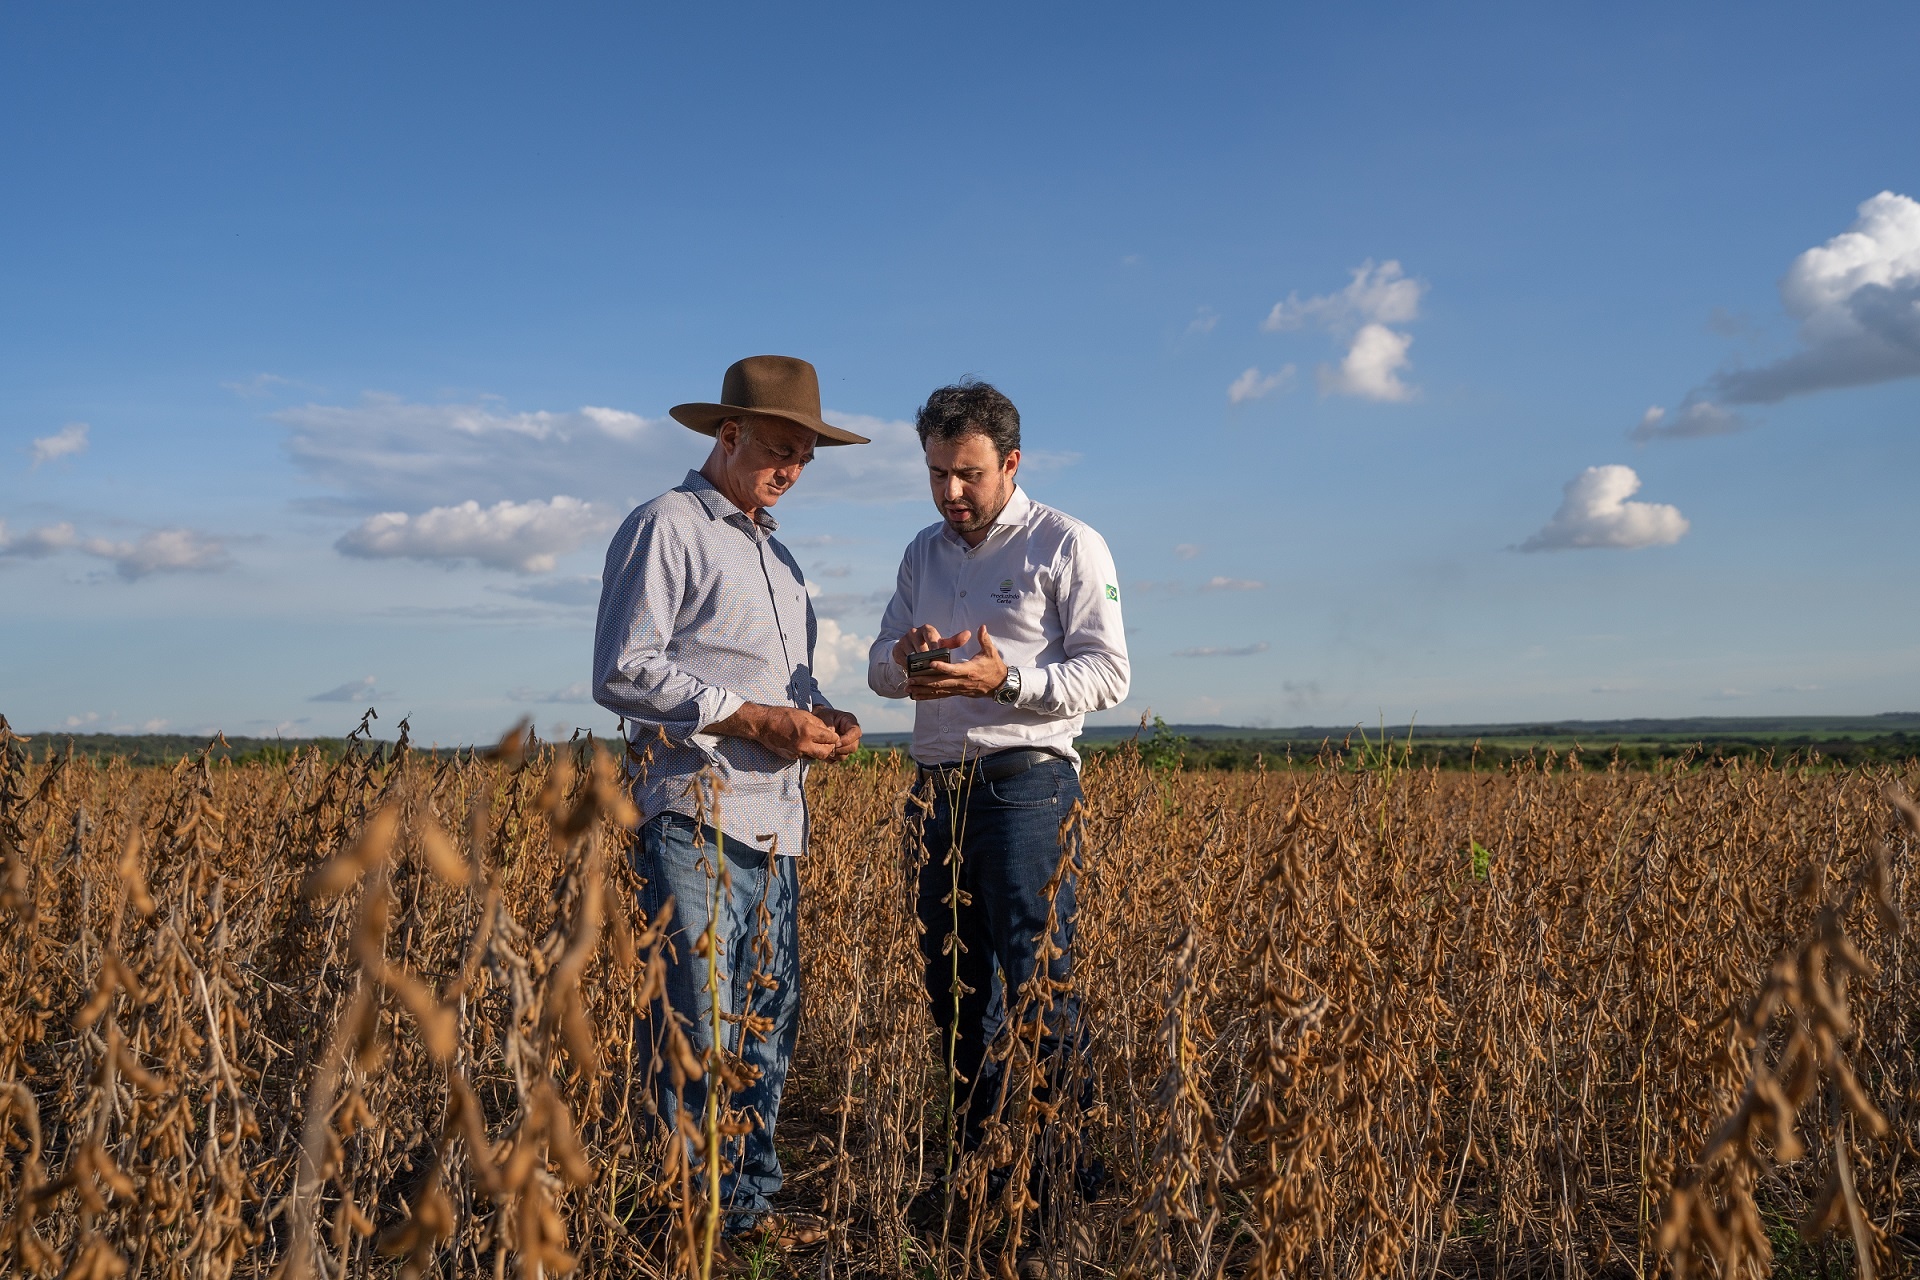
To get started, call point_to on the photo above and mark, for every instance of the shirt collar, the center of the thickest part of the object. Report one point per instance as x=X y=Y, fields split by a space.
x=1018 y=508
x=718 y=505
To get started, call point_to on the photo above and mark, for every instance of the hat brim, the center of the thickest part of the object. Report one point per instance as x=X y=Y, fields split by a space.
x=706 y=419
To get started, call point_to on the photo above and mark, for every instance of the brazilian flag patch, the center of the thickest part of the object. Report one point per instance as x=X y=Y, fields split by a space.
x=1113 y=592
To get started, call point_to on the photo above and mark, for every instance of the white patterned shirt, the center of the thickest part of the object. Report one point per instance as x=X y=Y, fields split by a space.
x=1045 y=586
x=702 y=610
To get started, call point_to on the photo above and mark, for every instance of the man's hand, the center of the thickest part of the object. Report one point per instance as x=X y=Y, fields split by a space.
x=844 y=724
x=977 y=677
x=925 y=637
x=788 y=732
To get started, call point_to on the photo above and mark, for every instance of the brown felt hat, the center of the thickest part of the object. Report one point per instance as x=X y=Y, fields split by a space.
x=777 y=386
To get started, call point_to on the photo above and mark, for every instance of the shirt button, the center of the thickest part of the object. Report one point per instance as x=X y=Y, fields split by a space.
x=963 y=595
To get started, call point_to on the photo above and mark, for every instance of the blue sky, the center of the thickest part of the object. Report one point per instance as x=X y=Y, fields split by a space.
x=1343 y=327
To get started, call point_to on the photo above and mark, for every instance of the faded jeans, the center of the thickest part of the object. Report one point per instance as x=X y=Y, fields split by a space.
x=675 y=856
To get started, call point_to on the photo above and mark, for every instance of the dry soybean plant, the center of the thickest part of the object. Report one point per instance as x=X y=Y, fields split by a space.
x=391 y=1013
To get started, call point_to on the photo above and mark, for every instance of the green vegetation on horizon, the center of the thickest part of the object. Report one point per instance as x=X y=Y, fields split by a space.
x=1826 y=740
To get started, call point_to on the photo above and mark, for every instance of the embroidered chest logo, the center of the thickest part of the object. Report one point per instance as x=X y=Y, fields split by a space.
x=1006 y=592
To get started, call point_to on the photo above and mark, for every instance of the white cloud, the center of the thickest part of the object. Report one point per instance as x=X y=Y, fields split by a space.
x=68 y=440
x=1857 y=301
x=1693 y=419
x=1381 y=294
x=161 y=551
x=1596 y=513
x=1377 y=296
x=1252 y=385
x=525 y=537
x=1232 y=584
x=1219 y=651
x=1371 y=369
x=821 y=569
x=1857 y=298
x=839 y=656
x=35 y=543
x=351 y=691
x=1204 y=320
x=1187 y=550
x=82 y=721
x=386 y=454
x=891 y=469
x=577 y=692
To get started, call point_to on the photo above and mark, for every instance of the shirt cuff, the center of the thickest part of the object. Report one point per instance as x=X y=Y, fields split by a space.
x=887 y=679
x=715 y=704
x=1033 y=686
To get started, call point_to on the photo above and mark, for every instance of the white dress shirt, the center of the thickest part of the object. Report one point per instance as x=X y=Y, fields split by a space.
x=1044 y=585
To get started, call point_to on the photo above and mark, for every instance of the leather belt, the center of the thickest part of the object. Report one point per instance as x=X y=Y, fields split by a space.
x=990 y=768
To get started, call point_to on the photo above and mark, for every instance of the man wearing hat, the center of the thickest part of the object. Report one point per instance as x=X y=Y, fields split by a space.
x=704 y=645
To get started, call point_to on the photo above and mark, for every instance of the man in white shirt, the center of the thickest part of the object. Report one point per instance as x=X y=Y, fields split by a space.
x=1027 y=600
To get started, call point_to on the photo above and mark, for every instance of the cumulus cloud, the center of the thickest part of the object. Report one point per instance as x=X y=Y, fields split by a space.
x=1381 y=294
x=65 y=442
x=1378 y=296
x=1253 y=385
x=1204 y=320
x=1220 y=651
x=1857 y=301
x=1595 y=513
x=1187 y=550
x=839 y=656
x=525 y=537
x=1371 y=369
x=1232 y=584
x=161 y=551
x=351 y=691
x=1692 y=419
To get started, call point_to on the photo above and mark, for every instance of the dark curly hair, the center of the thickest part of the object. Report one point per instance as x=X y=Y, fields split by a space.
x=970 y=407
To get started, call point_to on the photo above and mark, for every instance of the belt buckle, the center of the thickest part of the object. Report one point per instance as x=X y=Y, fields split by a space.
x=947 y=779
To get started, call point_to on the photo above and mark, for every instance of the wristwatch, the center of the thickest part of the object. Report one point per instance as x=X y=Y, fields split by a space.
x=1009 y=691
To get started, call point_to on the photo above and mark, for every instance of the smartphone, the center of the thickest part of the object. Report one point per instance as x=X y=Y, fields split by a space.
x=918 y=662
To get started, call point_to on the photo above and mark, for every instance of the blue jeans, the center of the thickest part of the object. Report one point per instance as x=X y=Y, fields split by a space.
x=676 y=856
x=1000 y=841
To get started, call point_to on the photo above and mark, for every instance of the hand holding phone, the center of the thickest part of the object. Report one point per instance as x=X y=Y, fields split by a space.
x=924 y=658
